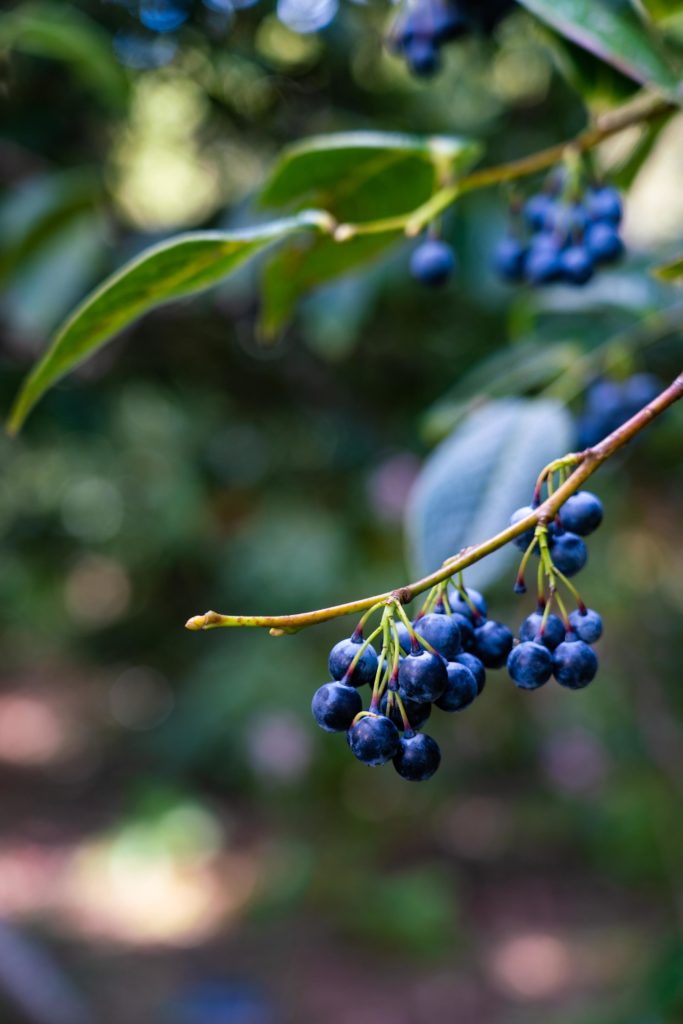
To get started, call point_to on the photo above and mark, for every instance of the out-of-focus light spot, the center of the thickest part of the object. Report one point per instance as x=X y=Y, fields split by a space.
x=654 y=211
x=163 y=15
x=390 y=483
x=97 y=591
x=140 y=698
x=141 y=53
x=284 y=47
x=306 y=16
x=279 y=746
x=532 y=966
x=31 y=732
x=28 y=874
x=478 y=828
x=521 y=74
x=161 y=179
x=574 y=761
x=92 y=510
x=220 y=6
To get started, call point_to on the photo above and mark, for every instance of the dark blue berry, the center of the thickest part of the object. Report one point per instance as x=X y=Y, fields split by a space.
x=509 y=258
x=492 y=643
x=432 y=263
x=637 y=391
x=582 y=513
x=568 y=552
x=448 y=23
x=422 y=676
x=417 y=758
x=422 y=57
x=587 y=625
x=374 y=739
x=335 y=705
x=604 y=204
x=530 y=665
x=466 y=630
x=553 y=631
x=574 y=664
x=163 y=15
x=524 y=540
x=461 y=688
x=576 y=264
x=417 y=713
x=476 y=667
x=538 y=211
x=341 y=656
x=543 y=261
x=603 y=242
x=464 y=607
x=442 y=632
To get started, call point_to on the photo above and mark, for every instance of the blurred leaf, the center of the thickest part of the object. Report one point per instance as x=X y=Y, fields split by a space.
x=662 y=10
x=295 y=270
x=600 y=85
x=672 y=271
x=63 y=33
x=511 y=371
x=611 y=30
x=472 y=483
x=182 y=266
x=361 y=176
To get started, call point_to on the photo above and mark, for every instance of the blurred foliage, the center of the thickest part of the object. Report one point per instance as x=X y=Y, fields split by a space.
x=189 y=466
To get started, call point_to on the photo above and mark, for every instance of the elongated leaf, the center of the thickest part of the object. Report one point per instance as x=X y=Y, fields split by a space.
x=293 y=271
x=474 y=480
x=672 y=271
x=361 y=176
x=182 y=266
x=611 y=30
x=63 y=33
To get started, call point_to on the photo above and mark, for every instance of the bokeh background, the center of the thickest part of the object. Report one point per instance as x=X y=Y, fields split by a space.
x=178 y=843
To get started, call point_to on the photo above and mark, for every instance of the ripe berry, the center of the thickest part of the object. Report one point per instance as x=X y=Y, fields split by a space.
x=638 y=390
x=442 y=632
x=466 y=630
x=461 y=688
x=422 y=57
x=492 y=643
x=576 y=264
x=543 y=263
x=582 y=513
x=538 y=210
x=432 y=263
x=417 y=758
x=568 y=552
x=476 y=667
x=422 y=676
x=403 y=636
x=341 y=656
x=553 y=632
x=524 y=540
x=417 y=713
x=603 y=242
x=587 y=625
x=462 y=607
x=605 y=204
x=373 y=739
x=509 y=258
x=574 y=664
x=530 y=665
x=335 y=705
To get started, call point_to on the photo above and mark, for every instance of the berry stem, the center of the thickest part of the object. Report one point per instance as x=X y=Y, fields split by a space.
x=585 y=464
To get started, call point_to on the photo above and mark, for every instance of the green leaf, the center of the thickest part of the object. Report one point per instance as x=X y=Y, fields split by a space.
x=295 y=270
x=363 y=176
x=63 y=33
x=671 y=272
x=613 y=31
x=182 y=266
x=474 y=480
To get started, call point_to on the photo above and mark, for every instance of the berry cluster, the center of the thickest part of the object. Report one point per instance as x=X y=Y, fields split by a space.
x=561 y=234
x=549 y=644
x=423 y=27
x=440 y=659
x=610 y=403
